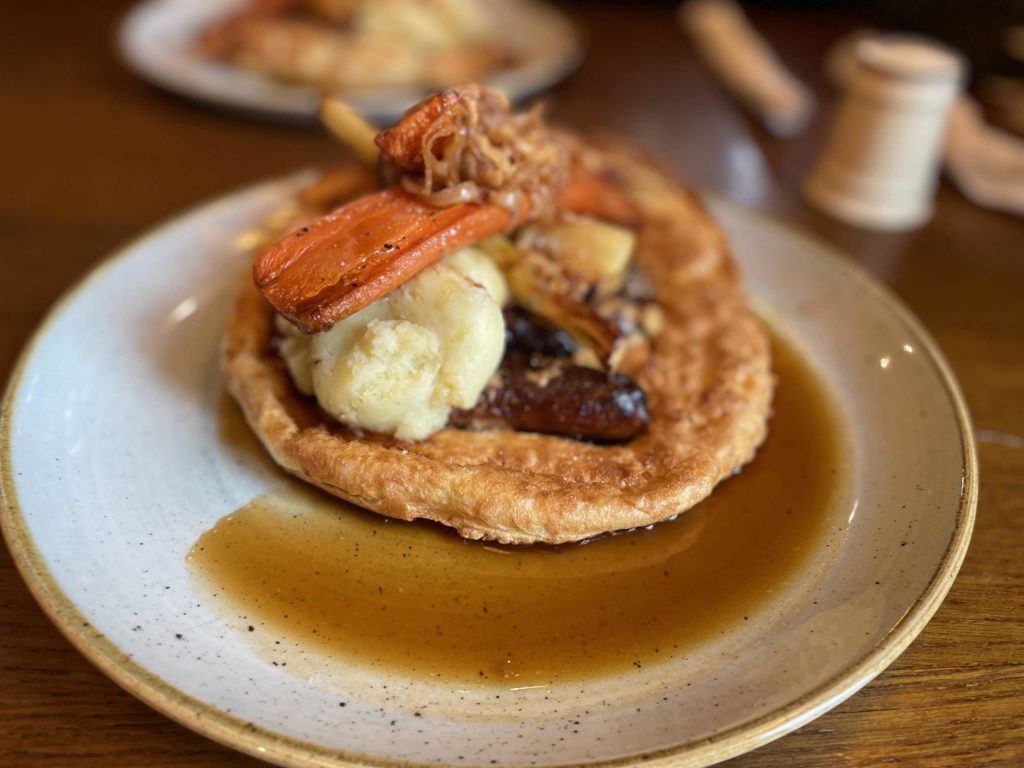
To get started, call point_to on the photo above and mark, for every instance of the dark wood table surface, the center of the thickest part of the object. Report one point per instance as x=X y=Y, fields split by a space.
x=92 y=156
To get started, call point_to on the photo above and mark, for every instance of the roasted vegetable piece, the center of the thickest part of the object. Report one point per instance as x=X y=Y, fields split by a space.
x=593 y=250
x=594 y=195
x=351 y=128
x=539 y=284
x=335 y=266
x=403 y=142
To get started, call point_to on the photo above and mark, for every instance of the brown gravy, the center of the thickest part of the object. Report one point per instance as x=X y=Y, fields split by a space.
x=301 y=569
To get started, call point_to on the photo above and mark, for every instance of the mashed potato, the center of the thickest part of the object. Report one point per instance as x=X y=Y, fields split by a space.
x=399 y=365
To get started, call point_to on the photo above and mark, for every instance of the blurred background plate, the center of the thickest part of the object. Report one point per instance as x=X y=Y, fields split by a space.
x=157 y=40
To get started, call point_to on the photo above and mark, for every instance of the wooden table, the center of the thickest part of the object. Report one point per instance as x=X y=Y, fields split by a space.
x=92 y=156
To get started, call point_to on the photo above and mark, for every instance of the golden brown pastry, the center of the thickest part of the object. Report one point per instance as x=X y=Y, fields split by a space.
x=706 y=377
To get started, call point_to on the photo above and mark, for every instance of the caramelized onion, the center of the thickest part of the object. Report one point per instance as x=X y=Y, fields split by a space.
x=468 y=134
x=464 y=192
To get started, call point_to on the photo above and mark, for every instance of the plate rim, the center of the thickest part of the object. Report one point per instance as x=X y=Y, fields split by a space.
x=239 y=734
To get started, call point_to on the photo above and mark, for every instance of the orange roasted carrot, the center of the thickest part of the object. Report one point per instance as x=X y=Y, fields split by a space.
x=323 y=272
x=593 y=195
x=403 y=142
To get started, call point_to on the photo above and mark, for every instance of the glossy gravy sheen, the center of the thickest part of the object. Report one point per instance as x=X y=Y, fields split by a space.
x=298 y=567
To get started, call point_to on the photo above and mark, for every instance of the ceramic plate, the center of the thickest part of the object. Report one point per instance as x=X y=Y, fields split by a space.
x=114 y=465
x=156 y=40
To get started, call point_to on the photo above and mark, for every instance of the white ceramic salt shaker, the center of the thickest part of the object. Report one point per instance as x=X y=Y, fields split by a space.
x=880 y=165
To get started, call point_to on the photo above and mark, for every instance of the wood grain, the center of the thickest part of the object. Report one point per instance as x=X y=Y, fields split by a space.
x=91 y=157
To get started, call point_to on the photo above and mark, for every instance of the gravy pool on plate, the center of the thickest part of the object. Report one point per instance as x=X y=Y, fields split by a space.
x=310 y=573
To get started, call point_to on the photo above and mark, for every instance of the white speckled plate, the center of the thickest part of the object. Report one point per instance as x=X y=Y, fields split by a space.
x=113 y=467
x=156 y=40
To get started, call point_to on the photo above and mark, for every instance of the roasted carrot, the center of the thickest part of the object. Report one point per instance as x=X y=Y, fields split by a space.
x=591 y=194
x=403 y=142
x=325 y=271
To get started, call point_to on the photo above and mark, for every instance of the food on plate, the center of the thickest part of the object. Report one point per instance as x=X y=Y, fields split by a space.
x=335 y=45
x=500 y=326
